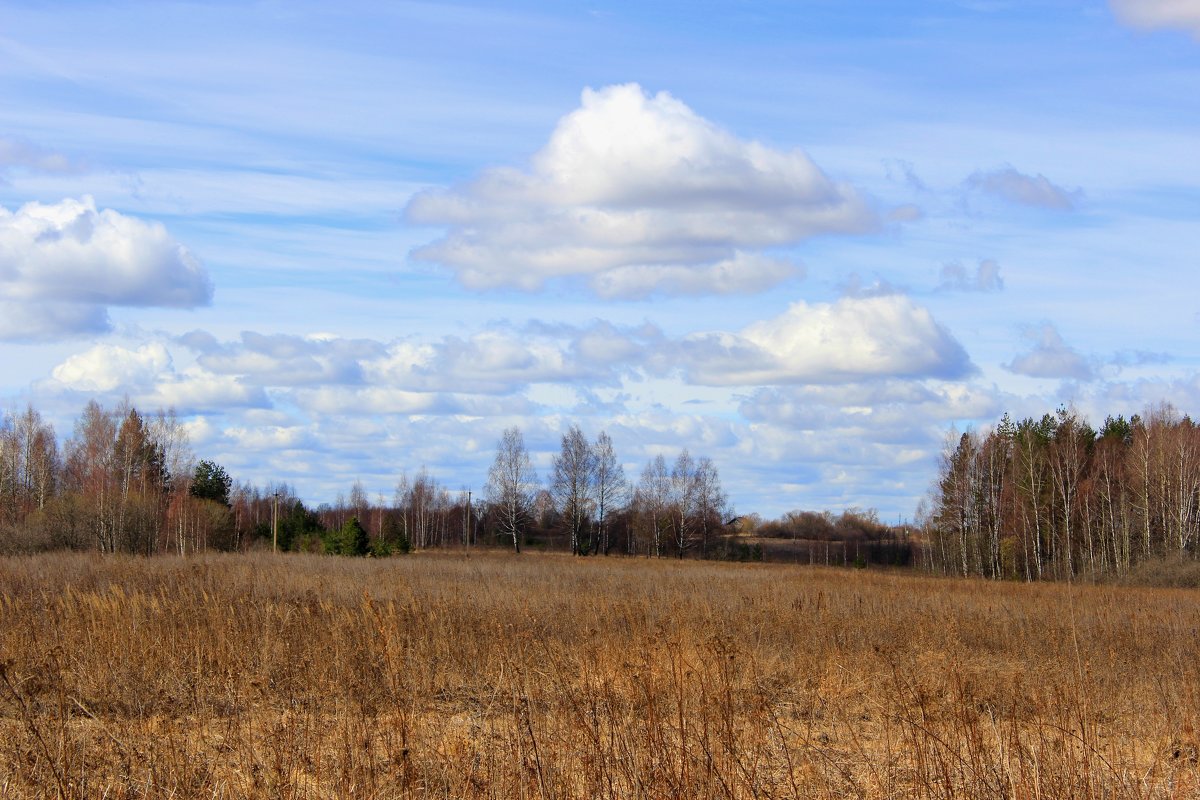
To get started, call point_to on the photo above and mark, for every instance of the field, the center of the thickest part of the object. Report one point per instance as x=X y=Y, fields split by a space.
x=542 y=676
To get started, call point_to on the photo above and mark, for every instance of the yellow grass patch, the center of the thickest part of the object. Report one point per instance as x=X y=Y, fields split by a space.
x=493 y=675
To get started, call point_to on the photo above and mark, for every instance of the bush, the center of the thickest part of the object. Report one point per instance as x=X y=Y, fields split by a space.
x=1174 y=571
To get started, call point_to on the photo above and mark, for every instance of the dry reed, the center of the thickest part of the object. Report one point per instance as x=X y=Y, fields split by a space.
x=497 y=676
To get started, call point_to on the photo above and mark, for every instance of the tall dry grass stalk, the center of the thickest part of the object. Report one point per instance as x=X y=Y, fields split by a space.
x=549 y=677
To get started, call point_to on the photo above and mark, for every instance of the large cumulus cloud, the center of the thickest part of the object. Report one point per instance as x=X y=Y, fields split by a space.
x=63 y=265
x=637 y=194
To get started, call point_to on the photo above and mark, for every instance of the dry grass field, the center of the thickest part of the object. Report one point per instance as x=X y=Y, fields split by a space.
x=540 y=676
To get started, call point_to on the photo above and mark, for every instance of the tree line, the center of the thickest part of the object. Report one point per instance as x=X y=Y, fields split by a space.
x=122 y=482
x=1055 y=498
x=128 y=482
x=671 y=510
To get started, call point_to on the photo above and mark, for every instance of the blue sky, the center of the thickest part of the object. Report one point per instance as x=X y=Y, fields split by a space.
x=805 y=239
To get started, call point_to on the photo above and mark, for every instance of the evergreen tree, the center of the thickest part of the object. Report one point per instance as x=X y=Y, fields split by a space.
x=352 y=539
x=211 y=482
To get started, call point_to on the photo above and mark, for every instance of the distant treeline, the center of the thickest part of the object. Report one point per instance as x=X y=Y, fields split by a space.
x=854 y=537
x=127 y=482
x=1054 y=498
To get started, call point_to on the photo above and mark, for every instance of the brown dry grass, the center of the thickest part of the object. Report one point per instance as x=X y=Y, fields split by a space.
x=544 y=676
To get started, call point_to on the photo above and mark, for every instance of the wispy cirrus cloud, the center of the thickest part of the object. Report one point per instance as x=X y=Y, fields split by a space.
x=636 y=194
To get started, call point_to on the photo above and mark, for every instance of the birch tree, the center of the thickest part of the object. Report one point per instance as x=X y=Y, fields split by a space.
x=611 y=488
x=682 y=501
x=571 y=486
x=511 y=485
x=711 y=502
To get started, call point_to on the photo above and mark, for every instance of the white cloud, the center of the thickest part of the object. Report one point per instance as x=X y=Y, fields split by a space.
x=366 y=400
x=106 y=368
x=956 y=278
x=1027 y=190
x=389 y=400
x=662 y=431
x=72 y=262
x=516 y=368
x=272 y=437
x=638 y=194
x=195 y=390
x=742 y=274
x=499 y=361
x=1051 y=357
x=896 y=412
x=410 y=376
x=148 y=375
x=493 y=361
x=602 y=343
x=852 y=339
x=1182 y=14
x=1136 y=397
x=283 y=360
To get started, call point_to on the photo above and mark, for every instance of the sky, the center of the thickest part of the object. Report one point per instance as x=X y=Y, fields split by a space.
x=809 y=240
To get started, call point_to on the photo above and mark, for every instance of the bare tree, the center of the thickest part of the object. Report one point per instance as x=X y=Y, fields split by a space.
x=179 y=464
x=682 y=494
x=1031 y=483
x=1114 y=498
x=10 y=470
x=711 y=502
x=359 y=500
x=419 y=501
x=1181 y=462
x=1068 y=460
x=511 y=484
x=610 y=488
x=90 y=464
x=40 y=456
x=652 y=502
x=571 y=486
